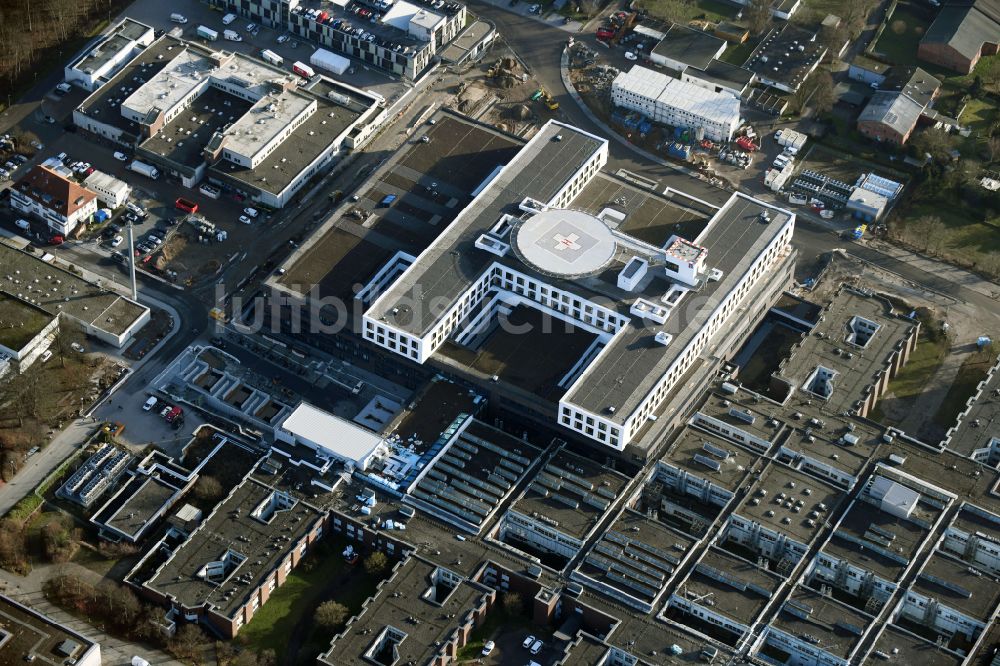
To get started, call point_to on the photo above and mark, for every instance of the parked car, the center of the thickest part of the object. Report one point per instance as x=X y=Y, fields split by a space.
x=46 y=355
x=631 y=56
x=488 y=648
x=77 y=347
x=537 y=647
x=245 y=220
x=120 y=156
x=528 y=641
x=116 y=241
x=150 y=403
x=252 y=212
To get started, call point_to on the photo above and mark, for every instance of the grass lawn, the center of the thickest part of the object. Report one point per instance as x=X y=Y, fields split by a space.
x=682 y=12
x=901 y=36
x=970 y=238
x=972 y=372
x=737 y=55
x=306 y=587
x=923 y=363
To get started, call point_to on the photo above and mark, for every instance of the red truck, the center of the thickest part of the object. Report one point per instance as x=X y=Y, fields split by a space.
x=746 y=144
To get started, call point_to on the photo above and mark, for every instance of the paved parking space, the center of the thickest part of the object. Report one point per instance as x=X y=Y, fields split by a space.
x=144 y=428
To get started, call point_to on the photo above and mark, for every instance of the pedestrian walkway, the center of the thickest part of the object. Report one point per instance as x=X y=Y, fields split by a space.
x=28 y=591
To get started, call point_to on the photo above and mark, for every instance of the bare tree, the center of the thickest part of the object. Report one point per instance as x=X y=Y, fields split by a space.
x=187 y=642
x=757 y=15
x=331 y=614
x=512 y=602
x=208 y=488
x=376 y=563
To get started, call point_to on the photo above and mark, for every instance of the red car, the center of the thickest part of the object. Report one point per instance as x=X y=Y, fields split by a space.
x=186 y=205
x=57 y=240
x=173 y=414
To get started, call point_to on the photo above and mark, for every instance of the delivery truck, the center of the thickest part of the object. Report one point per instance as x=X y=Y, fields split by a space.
x=207 y=33
x=303 y=70
x=329 y=61
x=147 y=170
x=271 y=57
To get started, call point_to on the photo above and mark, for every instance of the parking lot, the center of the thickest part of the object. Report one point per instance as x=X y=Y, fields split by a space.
x=142 y=427
x=198 y=13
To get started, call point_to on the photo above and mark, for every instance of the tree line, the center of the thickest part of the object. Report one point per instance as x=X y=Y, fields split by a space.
x=34 y=31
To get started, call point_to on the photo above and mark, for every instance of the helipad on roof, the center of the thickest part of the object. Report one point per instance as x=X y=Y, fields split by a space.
x=565 y=243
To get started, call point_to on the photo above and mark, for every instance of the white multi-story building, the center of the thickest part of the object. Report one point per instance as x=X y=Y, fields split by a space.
x=648 y=338
x=56 y=200
x=243 y=124
x=670 y=101
x=119 y=45
x=110 y=191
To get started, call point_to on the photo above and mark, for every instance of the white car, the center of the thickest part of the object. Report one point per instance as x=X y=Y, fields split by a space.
x=77 y=347
x=245 y=220
x=631 y=56
x=149 y=404
x=488 y=648
x=121 y=157
x=252 y=212
x=528 y=641
x=116 y=241
x=283 y=38
x=228 y=18
x=46 y=355
x=537 y=647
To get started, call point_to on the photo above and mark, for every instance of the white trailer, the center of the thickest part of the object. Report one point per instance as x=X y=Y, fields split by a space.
x=207 y=33
x=271 y=57
x=329 y=61
x=147 y=170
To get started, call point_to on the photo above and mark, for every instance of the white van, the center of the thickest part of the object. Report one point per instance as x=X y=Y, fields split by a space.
x=178 y=18
x=232 y=35
x=228 y=18
x=23 y=224
x=63 y=88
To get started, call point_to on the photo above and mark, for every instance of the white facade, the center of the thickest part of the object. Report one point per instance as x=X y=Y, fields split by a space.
x=110 y=191
x=58 y=223
x=670 y=101
x=514 y=285
x=122 y=43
